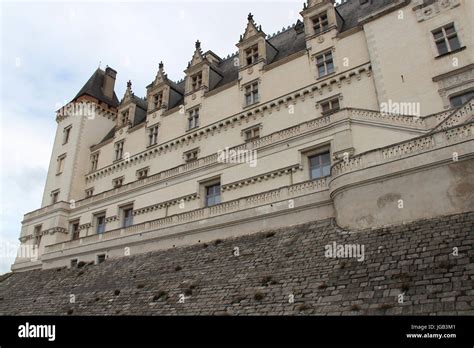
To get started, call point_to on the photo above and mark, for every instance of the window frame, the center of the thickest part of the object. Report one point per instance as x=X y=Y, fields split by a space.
x=252 y=55
x=327 y=64
x=55 y=196
x=251 y=93
x=193 y=118
x=75 y=234
x=118 y=182
x=94 y=158
x=124 y=218
x=98 y=216
x=66 y=134
x=322 y=23
x=445 y=39
x=118 y=148
x=196 y=81
x=153 y=132
x=60 y=164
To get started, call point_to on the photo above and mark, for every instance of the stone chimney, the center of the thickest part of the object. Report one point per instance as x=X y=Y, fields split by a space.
x=109 y=82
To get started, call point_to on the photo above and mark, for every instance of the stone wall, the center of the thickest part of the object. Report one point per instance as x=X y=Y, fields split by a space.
x=415 y=259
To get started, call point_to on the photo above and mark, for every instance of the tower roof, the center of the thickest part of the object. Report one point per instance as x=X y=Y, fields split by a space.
x=94 y=88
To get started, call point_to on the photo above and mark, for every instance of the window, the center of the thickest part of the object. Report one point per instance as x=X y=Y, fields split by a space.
x=37 y=235
x=61 y=160
x=117 y=182
x=100 y=258
x=461 y=99
x=158 y=100
x=330 y=106
x=252 y=133
x=196 y=81
x=124 y=117
x=213 y=194
x=127 y=216
x=94 y=161
x=153 y=135
x=320 y=165
x=320 y=23
x=74 y=263
x=142 y=173
x=66 y=133
x=251 y=94
x=191 y=155
x=54 y=196
x=74 y=230
x=446 y=39
x=325 y=64
x=100 y=223
x=193 y=118
x=119 y=150
x=251 y=54
x=89 y=192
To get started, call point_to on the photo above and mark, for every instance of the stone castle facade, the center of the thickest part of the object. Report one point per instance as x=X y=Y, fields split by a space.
x=361 y=112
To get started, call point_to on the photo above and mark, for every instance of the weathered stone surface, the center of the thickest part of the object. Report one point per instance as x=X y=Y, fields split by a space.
x=268 y=271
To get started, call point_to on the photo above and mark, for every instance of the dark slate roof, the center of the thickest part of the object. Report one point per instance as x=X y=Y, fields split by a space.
x=351 y=11
x=93 y=88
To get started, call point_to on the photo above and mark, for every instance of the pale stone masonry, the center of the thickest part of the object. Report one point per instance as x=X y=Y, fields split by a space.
x=414 y=259
x=361 y=113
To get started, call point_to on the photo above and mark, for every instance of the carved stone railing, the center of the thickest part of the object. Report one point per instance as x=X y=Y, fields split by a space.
x=256 y=200
x=404 y=149
x=459 y=116
x=403 y=120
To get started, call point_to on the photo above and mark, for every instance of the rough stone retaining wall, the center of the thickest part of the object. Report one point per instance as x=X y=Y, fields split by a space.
x=415 y=259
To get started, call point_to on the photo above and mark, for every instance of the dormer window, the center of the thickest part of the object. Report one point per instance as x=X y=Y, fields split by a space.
x=124 y=118
x=158 y=100
x=251 y=54
x=196 y=81
x=320 y=23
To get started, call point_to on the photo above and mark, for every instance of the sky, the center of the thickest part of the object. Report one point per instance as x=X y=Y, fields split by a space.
x=50 y=49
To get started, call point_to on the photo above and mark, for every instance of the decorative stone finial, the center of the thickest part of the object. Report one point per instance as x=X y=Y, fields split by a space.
x=250 y=16
x=160 y=66
x=198 y=44
x=129 y=84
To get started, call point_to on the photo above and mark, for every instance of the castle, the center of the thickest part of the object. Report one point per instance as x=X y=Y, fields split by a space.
x=361 y=112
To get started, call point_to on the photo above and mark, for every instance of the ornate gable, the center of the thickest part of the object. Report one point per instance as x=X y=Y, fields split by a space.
x=198 y=56
x=252 y=29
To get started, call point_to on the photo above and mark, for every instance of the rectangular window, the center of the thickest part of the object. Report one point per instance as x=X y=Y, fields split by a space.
x=196 y=81
x=191 y=155
x=320 y=165
x=142 y=173
x=446 y=39
x=100 y=223
x=117 y=182
x=153 y=135
x=251 y=55
x=330 y=106
x=74 y=230
x=119 y=150
x=100 y=258
x=61 y=161
x=193 y=118
x=66 y=134
x=325 y=64
x=127 y=216
x=54 y=196
x=320 y=23
x=158 y=100
x=251 y=94
x=461 y=99
x=124 y=118
x=213 y=194
x=89 y=192
x=37 y=235
x=94 y=161
x=252 y=133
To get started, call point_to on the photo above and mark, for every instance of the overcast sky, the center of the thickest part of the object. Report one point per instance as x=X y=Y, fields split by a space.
x=50 y=49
